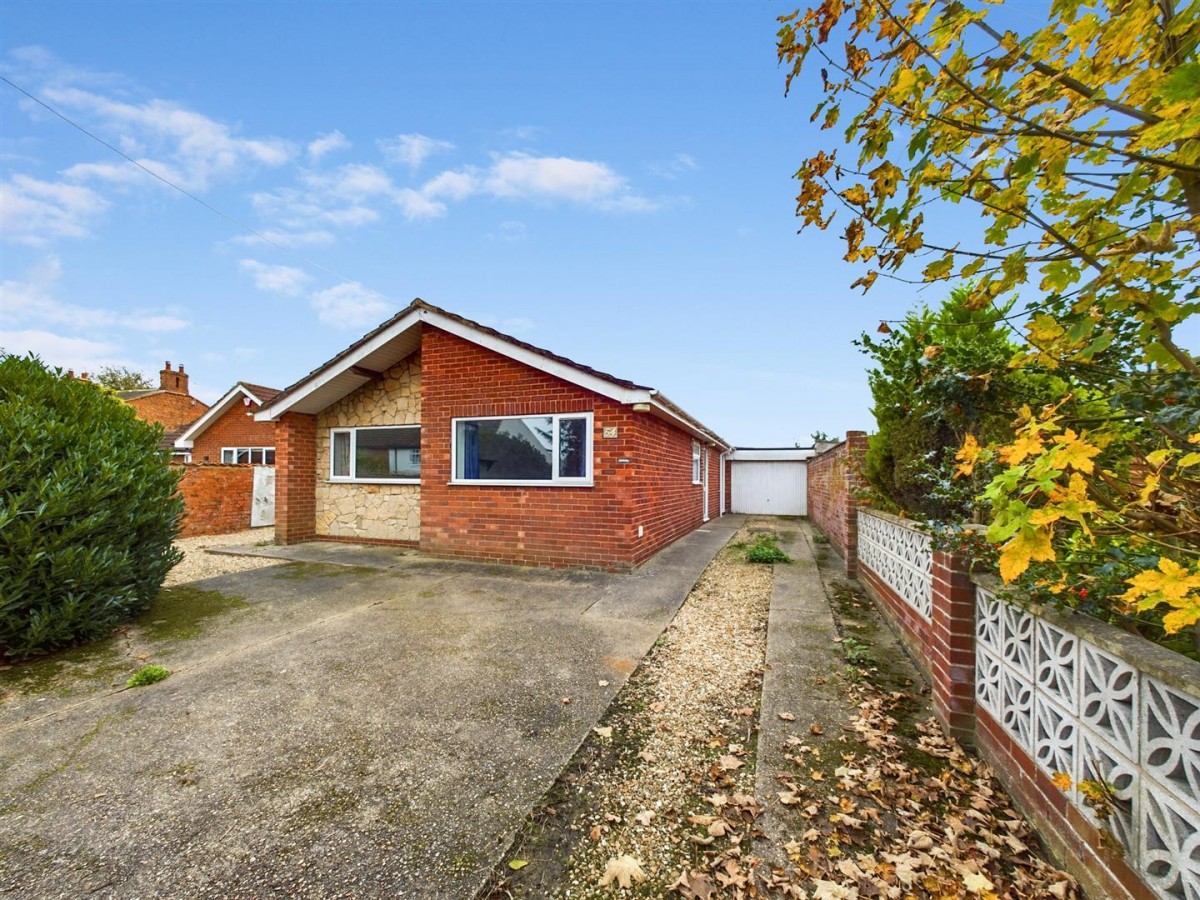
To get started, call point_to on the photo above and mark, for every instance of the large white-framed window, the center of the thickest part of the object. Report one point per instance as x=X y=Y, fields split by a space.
x=523 y=450
x=257 y=456
x=383 y=454
x=695 y=463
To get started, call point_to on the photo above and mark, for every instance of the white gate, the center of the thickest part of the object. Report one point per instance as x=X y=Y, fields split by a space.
x=262 y=502
x=775 y=486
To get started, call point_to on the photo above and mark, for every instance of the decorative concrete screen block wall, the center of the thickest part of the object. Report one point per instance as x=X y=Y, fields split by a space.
x=900 y=556
x=1077 y=708
x=388 y=512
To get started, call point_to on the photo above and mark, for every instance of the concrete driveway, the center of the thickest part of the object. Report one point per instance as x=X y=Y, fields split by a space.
x=341 y=731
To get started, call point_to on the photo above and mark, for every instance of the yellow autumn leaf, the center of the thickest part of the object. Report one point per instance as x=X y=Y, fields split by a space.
x=1169 y=582
x=1185 y=615
x=1076 y=452
x=1023 y=447
x=1029 y=544
x=968 y=456
x=856 y=195
x=1158 y=457
x=1149 y=488
x=1061 y=780
x=1188 y=460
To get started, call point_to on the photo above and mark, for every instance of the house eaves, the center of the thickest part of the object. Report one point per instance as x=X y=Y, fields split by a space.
x=400 y=337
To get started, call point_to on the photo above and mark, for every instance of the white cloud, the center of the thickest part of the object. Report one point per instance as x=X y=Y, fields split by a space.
x=194 y=149
x=350 y=305
x=32 y=302
x=412 y=149
x=680 y=165
x=525 y=177
x=275 y=279
x=32 y=211
x=313 y=237
x=65 y=352
x=326 y=144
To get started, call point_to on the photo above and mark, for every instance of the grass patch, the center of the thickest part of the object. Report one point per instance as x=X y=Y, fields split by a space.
x=765 y=550
x=151 y=674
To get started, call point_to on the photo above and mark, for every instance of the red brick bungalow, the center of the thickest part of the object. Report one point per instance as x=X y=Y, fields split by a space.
x=438 y=432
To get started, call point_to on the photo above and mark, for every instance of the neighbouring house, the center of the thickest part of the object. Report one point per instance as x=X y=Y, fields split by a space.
x=438 y=432
x=228 y=433
x=228 y=482
x=171 y=405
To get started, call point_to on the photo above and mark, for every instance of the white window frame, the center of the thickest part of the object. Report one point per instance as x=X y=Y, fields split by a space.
x=555 y=480
x=234 y=451
x=696 y=462
x=353 y=430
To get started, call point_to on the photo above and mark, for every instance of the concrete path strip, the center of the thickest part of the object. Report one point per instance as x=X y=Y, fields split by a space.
x=802 y=681
x=347 y=731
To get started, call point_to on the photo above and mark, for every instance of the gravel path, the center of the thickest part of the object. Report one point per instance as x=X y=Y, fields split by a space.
x=670 y=769
x=197 y=563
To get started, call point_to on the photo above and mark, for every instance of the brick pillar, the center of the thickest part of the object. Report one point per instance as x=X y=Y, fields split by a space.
x=856 y=455
x=952 y=645
x=295 y=478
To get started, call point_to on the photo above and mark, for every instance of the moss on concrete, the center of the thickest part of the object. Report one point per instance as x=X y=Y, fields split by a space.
x=178 y=613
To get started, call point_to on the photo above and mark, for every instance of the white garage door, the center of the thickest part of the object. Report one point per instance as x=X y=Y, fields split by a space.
x=771 y=488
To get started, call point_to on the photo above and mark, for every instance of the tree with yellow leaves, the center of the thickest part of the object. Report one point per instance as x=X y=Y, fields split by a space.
x=1076 y=144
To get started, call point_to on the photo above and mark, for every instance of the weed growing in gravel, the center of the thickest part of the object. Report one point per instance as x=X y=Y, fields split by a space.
x=147 y=675
x=820 y=537
x=765 y=549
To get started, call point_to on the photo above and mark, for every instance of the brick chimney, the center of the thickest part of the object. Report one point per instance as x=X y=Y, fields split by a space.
x=176 y=382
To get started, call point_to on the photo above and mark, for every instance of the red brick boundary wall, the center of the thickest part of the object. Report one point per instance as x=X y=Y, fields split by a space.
x=834 y=477
x=217 y=498
x=295 y=478
x=1040 y=692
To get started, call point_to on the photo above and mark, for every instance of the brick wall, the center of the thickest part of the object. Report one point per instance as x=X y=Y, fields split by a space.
x=168 y=409
x=642 y=477
x=295 y=478
x=235 y=428
x=217 y=498
x=833 y=478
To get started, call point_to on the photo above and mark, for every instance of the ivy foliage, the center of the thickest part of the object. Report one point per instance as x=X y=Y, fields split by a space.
x=88 y=510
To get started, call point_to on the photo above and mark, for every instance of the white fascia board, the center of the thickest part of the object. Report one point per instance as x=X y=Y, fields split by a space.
x=670 y=415
x=323 y=377
x=536 y=360
x=186 y=440
x=772 y=454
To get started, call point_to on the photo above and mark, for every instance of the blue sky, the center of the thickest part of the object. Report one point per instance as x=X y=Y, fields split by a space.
x=609 y=181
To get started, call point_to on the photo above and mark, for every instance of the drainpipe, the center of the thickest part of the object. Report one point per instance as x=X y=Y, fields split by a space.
x=721 y=459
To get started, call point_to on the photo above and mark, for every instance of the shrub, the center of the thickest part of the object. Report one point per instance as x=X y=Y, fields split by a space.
x=88 y=510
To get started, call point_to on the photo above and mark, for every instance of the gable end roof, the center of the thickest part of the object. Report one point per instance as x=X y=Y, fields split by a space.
x=399 y=337
x=256 y=392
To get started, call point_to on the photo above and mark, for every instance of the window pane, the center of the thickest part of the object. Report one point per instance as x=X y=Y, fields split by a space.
x=387 y=453
x=572 y=448
x=227 y=456
x=505 y=449
x=341 y=454
x=243 y=454
x=269 y=455
x=256 y=456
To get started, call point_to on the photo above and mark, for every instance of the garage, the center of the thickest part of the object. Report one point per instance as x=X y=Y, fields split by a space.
x=769 y=480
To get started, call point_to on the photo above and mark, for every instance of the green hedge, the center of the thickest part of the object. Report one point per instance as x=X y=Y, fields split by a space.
x=88 y=510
